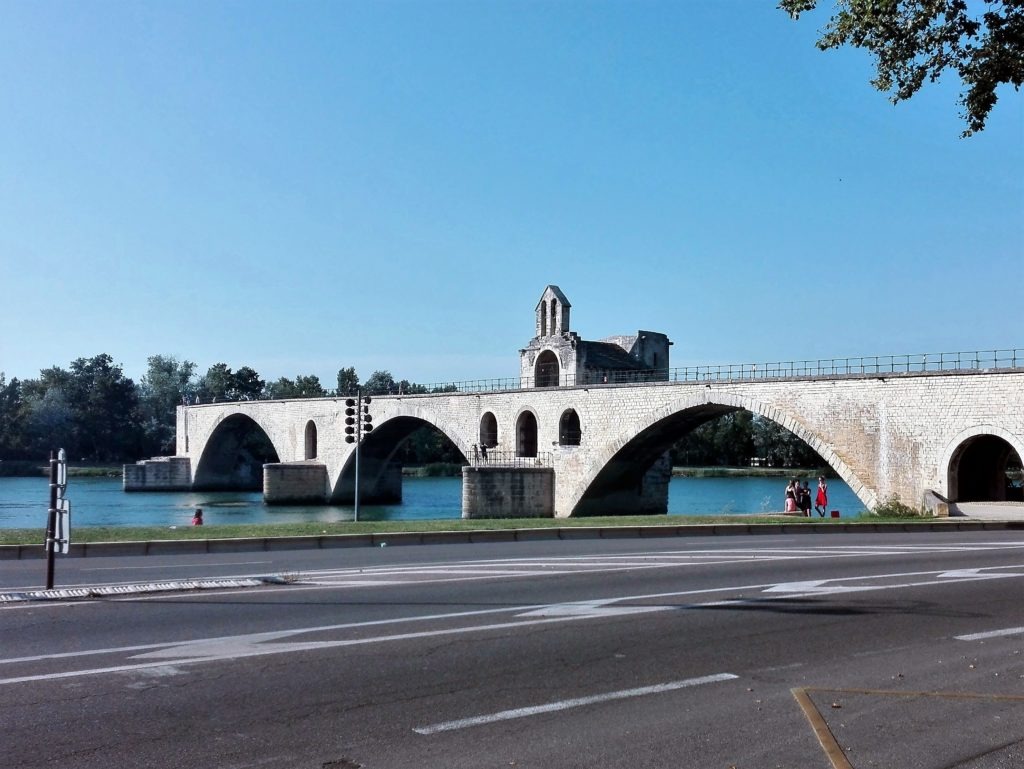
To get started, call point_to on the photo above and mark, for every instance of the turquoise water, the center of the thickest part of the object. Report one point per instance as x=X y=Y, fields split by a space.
x=101 y=502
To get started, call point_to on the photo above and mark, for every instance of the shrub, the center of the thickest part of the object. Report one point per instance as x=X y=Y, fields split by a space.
x=894 y=508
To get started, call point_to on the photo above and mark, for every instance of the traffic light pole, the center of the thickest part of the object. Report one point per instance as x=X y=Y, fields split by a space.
x=357 y=421
x=359 y=440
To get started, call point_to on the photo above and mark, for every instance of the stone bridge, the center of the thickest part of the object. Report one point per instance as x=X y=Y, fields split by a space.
x=601 y=448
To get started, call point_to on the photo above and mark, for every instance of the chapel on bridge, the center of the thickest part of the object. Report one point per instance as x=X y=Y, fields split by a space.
x=558 y=356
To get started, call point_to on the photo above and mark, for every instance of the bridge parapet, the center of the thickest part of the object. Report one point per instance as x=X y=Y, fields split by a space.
x=916 y=364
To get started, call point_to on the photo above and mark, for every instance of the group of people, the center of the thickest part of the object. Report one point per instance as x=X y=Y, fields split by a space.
x=798 y=497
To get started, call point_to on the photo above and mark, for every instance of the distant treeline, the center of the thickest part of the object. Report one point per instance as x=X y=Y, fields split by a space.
x=97 y=414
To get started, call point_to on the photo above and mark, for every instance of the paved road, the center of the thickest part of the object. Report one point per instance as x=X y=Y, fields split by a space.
x=766 y=651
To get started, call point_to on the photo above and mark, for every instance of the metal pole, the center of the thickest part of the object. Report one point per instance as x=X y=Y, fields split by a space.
x=359 y=439
x=51 y=522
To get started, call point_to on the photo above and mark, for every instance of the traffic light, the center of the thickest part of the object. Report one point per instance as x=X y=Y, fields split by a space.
x=358 y=419
x=350 y=420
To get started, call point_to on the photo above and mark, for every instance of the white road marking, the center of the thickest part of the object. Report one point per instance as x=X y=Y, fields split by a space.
x=173 y=566
x=265 y=643
x=598 y=608
x=991 y=634
x=551 y=707
x=478 y=569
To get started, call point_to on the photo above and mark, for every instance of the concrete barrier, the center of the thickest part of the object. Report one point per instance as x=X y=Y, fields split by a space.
x=238 y=545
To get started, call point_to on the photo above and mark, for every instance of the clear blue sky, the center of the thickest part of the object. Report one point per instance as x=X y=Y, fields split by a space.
x=300 y=186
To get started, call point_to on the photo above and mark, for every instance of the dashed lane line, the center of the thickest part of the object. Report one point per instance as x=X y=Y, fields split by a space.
x=552 y=707
x=991 y=634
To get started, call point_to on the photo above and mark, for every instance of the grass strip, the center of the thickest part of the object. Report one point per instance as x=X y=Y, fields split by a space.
x=308 y=529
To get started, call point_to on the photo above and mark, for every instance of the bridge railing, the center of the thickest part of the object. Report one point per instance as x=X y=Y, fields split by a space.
x=875 y=365
x=974 y=360
x=491 y=458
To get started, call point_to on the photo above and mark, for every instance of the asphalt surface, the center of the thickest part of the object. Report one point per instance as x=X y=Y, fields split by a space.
x=895 y=650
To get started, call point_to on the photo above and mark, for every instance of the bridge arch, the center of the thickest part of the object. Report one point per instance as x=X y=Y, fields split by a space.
x=234 y=454
x=625 y=459
x=974 y=463
x=377 y=454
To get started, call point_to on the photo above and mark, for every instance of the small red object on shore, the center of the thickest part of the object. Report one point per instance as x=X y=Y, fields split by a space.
x=835 y=513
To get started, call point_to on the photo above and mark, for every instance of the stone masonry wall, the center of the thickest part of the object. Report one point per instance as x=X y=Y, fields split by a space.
x=508 y=492
x=891 y=435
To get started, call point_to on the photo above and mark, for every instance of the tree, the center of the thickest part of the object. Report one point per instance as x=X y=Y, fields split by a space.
x=309 y=387
x=247 y=385
x=12 y=418
x=166 y=385
x=348 y=381
x=50 y=423
x=105 y=407
x=302 y=387
x=217 y=383
x=380 y=383
x=282 y=388
x=918 y=40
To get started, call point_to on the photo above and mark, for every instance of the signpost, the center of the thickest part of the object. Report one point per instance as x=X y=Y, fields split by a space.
x=58 y=521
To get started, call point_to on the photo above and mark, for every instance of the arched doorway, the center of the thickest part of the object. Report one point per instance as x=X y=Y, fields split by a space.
x=569 y=429
x=546 y=370
x=526 y=435
x=985 y=468
x=488 y=430
x=309 y=451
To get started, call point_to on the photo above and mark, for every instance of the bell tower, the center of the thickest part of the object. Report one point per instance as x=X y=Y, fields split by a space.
x=552 y=313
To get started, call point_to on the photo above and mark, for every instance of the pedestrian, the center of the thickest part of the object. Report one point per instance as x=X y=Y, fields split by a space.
x=821 y=501
x=791 y=492
x=197 y=519
x=805 y=500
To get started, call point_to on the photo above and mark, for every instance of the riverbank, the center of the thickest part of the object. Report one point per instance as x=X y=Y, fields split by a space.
x=23 y=468
x=752 y=472
x=28 y=468
x=628 y=523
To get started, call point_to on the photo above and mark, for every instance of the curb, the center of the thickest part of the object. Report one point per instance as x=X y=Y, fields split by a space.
x=103 y=591
x=322 y=542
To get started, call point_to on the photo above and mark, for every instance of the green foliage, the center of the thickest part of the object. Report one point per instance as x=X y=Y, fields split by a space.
x=732 y=439
x=894 y=508
x=442 y=470
x=915 y=41
x=12 y=418
x=348 y=381
x=302 y=387
x=247 y=385
x=429 y=445
x=218 y=384
x=380 y=383
x=213 y=530
x=166 y=385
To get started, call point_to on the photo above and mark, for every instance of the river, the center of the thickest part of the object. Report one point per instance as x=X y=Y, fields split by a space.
x=101 y=502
